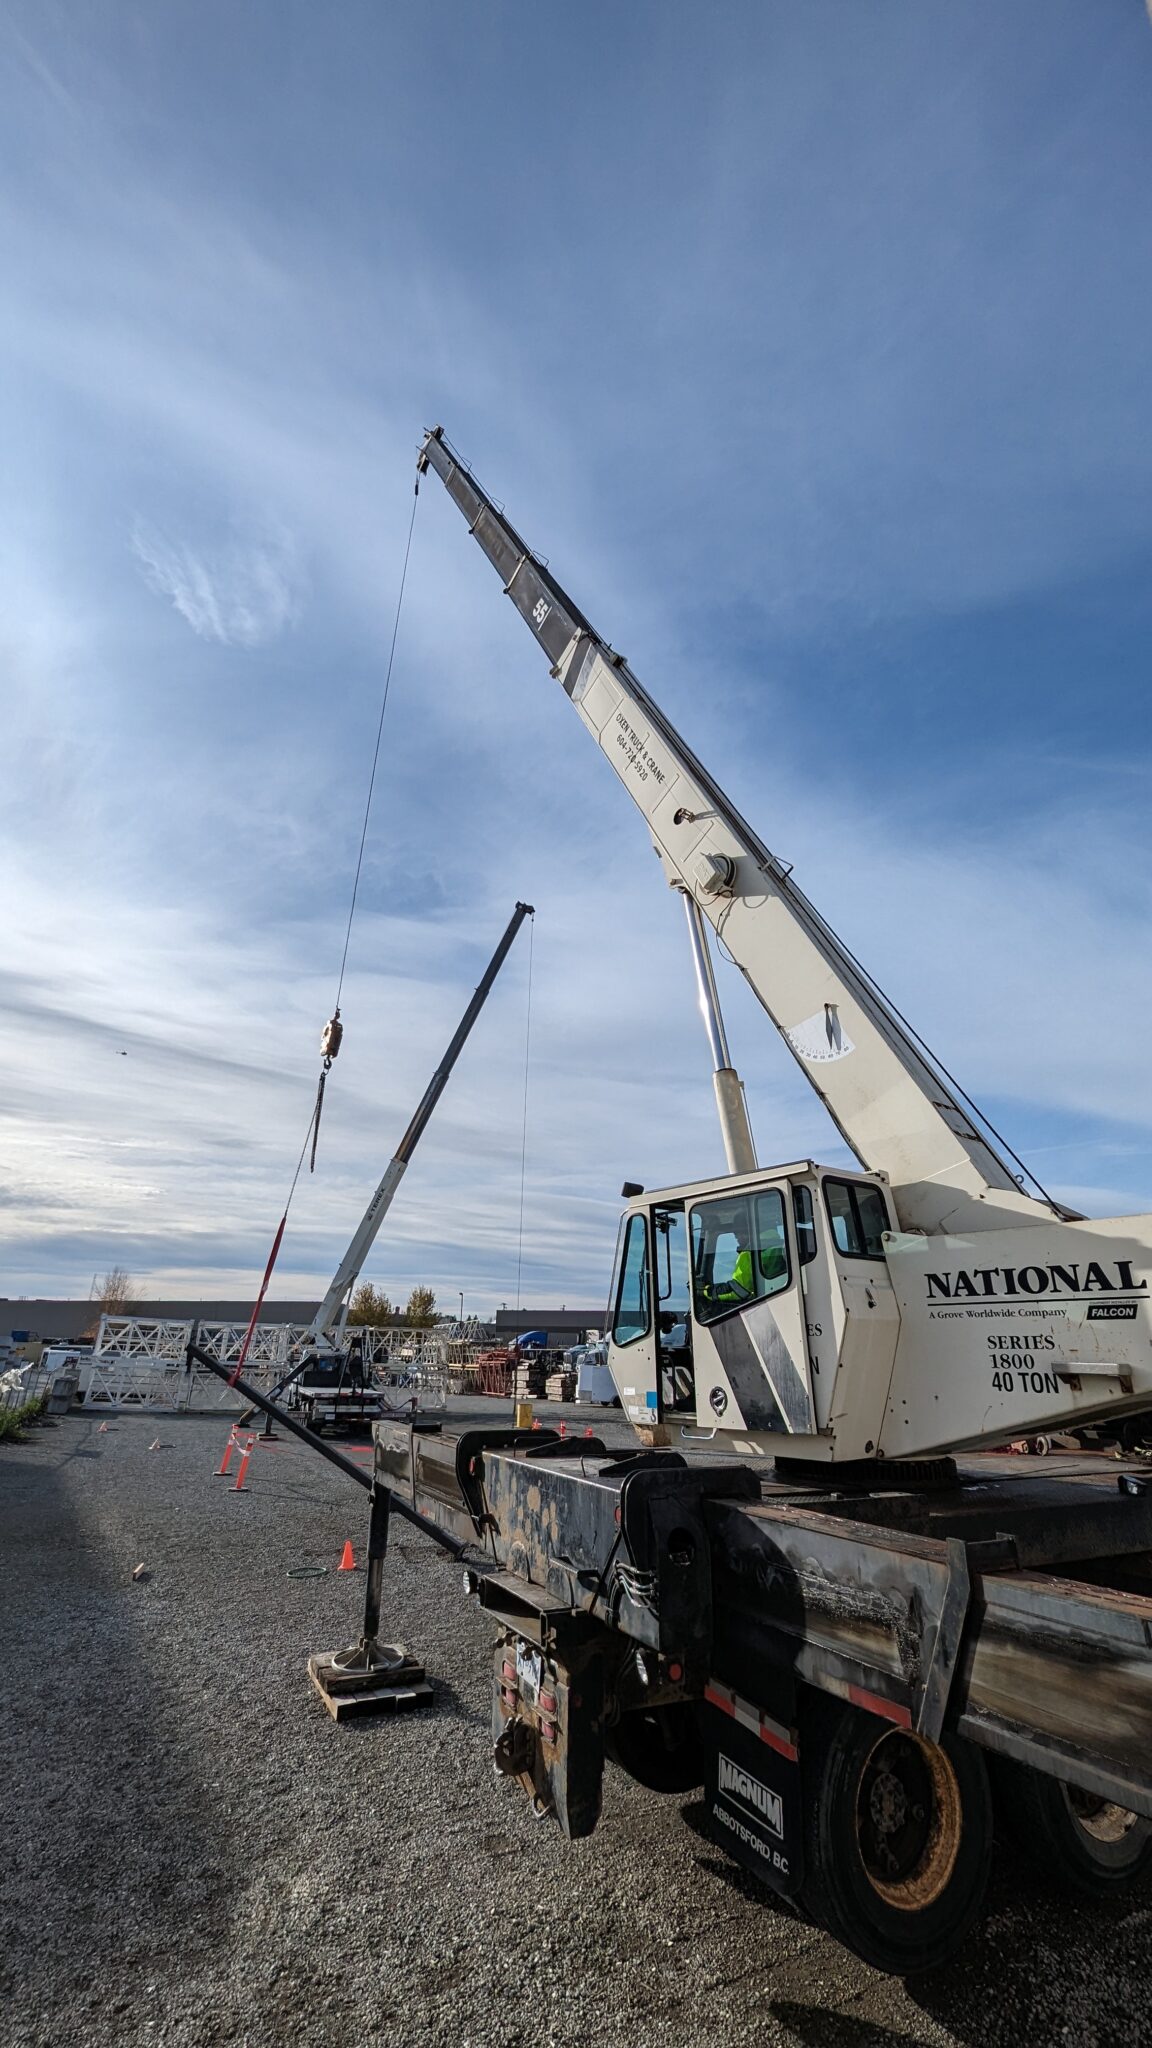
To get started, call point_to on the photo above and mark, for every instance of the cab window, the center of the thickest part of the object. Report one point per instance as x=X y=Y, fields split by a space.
x=804 y=1218
x=739 y=1252
x=633 y=1311
x=858 y=1218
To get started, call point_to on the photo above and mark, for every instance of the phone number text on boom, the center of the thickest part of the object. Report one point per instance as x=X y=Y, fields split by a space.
x=635 y=752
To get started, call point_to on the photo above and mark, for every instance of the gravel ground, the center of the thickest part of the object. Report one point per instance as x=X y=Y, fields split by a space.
x=195 y=1854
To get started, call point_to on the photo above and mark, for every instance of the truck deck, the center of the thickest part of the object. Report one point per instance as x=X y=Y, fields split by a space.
x=699 y=1620
x=1014 y=1605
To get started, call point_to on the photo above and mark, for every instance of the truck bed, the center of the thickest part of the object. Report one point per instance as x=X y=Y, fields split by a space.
x=1010 y=1603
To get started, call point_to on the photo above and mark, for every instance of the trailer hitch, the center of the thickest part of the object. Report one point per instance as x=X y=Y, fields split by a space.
x=514 y=1749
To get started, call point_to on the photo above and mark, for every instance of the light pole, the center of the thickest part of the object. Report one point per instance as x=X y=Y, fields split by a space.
x=461 y=1292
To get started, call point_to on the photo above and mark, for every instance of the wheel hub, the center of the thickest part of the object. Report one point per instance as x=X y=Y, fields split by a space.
x=888 y=1803
x=908 y=1819
x=1100 y=1818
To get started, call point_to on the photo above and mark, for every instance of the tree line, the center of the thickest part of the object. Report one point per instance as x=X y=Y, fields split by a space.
x=115 y=1294
x=370 y=1305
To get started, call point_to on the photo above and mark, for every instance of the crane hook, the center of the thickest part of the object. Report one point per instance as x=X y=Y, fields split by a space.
x=330 y=1038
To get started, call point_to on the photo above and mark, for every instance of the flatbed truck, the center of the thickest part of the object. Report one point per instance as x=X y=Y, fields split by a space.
x=869 y=1681
x=335 y=1390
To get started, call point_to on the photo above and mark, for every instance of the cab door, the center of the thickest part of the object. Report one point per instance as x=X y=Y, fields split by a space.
x=632 y=1347
x=750 y=1343
x=676 y=1377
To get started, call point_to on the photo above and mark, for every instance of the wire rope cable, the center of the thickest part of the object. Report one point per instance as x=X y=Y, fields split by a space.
x=376 y=749
x=309 y=1136
x=931 y=1057
x=333 y=1031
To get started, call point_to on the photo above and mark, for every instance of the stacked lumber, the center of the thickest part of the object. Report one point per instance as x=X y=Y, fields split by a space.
x=560 y=1386
x=528 y=1375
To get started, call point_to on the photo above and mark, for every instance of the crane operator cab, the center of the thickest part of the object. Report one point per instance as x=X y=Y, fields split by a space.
x=758 y=1308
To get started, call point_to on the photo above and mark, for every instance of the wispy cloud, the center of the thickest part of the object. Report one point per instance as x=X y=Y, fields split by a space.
x=850 y=372
x=32 y=56
x=243 y=594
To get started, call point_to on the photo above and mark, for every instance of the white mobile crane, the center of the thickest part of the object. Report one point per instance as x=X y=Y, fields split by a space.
x=855 y=1658
x=927 y=1302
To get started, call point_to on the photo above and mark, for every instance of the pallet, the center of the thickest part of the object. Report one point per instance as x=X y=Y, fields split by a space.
x=353 y=1695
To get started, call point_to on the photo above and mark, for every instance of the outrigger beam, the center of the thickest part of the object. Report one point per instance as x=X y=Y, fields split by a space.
x=369 y=1677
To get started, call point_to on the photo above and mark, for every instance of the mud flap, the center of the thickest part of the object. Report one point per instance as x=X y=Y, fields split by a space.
x=753 y=1793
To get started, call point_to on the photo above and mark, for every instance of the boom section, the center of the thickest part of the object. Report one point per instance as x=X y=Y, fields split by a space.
x=890 y=1103
x=350 y=1267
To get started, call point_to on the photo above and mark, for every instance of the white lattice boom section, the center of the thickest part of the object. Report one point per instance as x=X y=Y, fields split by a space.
x=141 y=1337
x=138 y=1362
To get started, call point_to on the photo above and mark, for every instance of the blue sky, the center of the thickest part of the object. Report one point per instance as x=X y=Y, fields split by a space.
x=810 y=343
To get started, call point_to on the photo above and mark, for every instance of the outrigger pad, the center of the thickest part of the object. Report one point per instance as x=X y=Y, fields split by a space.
x=392 y=1683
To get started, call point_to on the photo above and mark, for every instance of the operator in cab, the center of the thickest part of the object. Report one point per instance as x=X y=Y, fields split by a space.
x=741 y=1284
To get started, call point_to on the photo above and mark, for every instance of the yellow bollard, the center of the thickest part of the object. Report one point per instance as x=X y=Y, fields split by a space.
x=523 y=1416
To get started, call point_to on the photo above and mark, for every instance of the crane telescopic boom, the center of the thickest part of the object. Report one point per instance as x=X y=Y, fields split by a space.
x=891 y=1103
x=351 y=1265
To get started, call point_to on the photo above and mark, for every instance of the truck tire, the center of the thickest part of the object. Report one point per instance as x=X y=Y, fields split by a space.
x=1074 y=1839
x=660 y=1747
x=898 y=1838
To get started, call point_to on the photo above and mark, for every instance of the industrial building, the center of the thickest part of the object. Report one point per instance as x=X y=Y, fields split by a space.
x=67 y=1322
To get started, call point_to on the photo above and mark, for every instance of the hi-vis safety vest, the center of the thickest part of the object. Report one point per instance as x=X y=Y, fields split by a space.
x=742 y=1282
x=741 y=1286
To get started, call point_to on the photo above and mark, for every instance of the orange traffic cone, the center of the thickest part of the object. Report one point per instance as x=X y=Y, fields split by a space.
x=589 y=1431
x=241 y=1472
x=347 y=1561
x=232 y=1444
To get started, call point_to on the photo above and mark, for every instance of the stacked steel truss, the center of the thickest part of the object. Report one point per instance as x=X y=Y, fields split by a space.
x=139 y=1362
